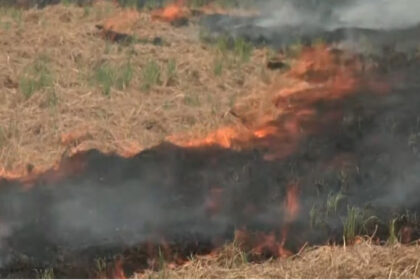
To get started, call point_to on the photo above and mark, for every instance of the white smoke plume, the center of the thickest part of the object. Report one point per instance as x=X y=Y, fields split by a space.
x=372 y=14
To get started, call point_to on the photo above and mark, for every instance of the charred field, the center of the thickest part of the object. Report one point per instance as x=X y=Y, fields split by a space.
x=206 y=142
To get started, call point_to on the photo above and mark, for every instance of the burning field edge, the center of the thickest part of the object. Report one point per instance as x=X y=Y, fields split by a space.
x=323 y=149
x=363 y=260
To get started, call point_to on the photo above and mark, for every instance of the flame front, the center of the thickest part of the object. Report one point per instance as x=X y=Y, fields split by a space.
x=315 y=76
x=171 y=12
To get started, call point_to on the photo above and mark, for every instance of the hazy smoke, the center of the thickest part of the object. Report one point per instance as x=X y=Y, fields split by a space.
x=367 y=24
x=378 y=14
x=375 y=14
x=201 y=194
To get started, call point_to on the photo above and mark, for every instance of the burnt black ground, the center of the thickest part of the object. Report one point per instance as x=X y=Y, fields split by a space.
x=116 y=204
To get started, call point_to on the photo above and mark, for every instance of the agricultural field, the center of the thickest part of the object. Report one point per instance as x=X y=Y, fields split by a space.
x=208 y=139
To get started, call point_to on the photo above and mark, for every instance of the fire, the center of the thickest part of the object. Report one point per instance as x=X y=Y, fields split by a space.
x=291 y=206
x=292 y=202
x=11 y=174
x=316 y=76
x=178 y=10
x=120 y=25
x=273 y=243
x=171 y=12
x=259 y=244
x=268 y=243
x=59 y=171
x=119 y=270
x=223 y=137
x=264 y=132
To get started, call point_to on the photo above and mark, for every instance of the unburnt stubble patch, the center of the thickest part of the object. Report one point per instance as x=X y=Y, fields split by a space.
x=108 y=76
x=36 y=76
x=151 y=75
x=77 y=81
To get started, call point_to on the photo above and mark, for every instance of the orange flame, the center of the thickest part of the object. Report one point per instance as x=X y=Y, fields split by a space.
x=171 y=12
x=223 y=137
x=318 y=74
x=59 y=171
x=292 y=202
x=315 y=75
x=122 y=24
x=118 y=272
x=292 y=207
x=270 y=244
x=261 y=244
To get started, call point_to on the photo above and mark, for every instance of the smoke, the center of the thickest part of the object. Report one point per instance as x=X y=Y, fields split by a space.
x=166 y=193
x=369 y=25
x=376 y=14
x=196 y=196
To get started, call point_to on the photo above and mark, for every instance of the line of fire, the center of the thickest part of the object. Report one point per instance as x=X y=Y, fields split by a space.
x=331 y=157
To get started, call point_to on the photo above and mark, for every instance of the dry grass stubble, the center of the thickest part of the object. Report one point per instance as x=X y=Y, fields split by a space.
x=359 y=261
x=71 y=112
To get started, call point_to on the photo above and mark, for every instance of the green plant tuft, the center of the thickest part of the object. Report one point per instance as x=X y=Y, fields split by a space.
x=333 y=201
x=171 y=72
x=105 y=77
x=47 y=273
x=392 y=239
x=151 y=75
x=35 y=76
x=125 y=75
x=352 y=224
x=243 y=49
x=108 y=76
x=218 y=67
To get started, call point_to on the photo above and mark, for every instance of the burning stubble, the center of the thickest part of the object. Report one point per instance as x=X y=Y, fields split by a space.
x=341 y=150
x=195 y=195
